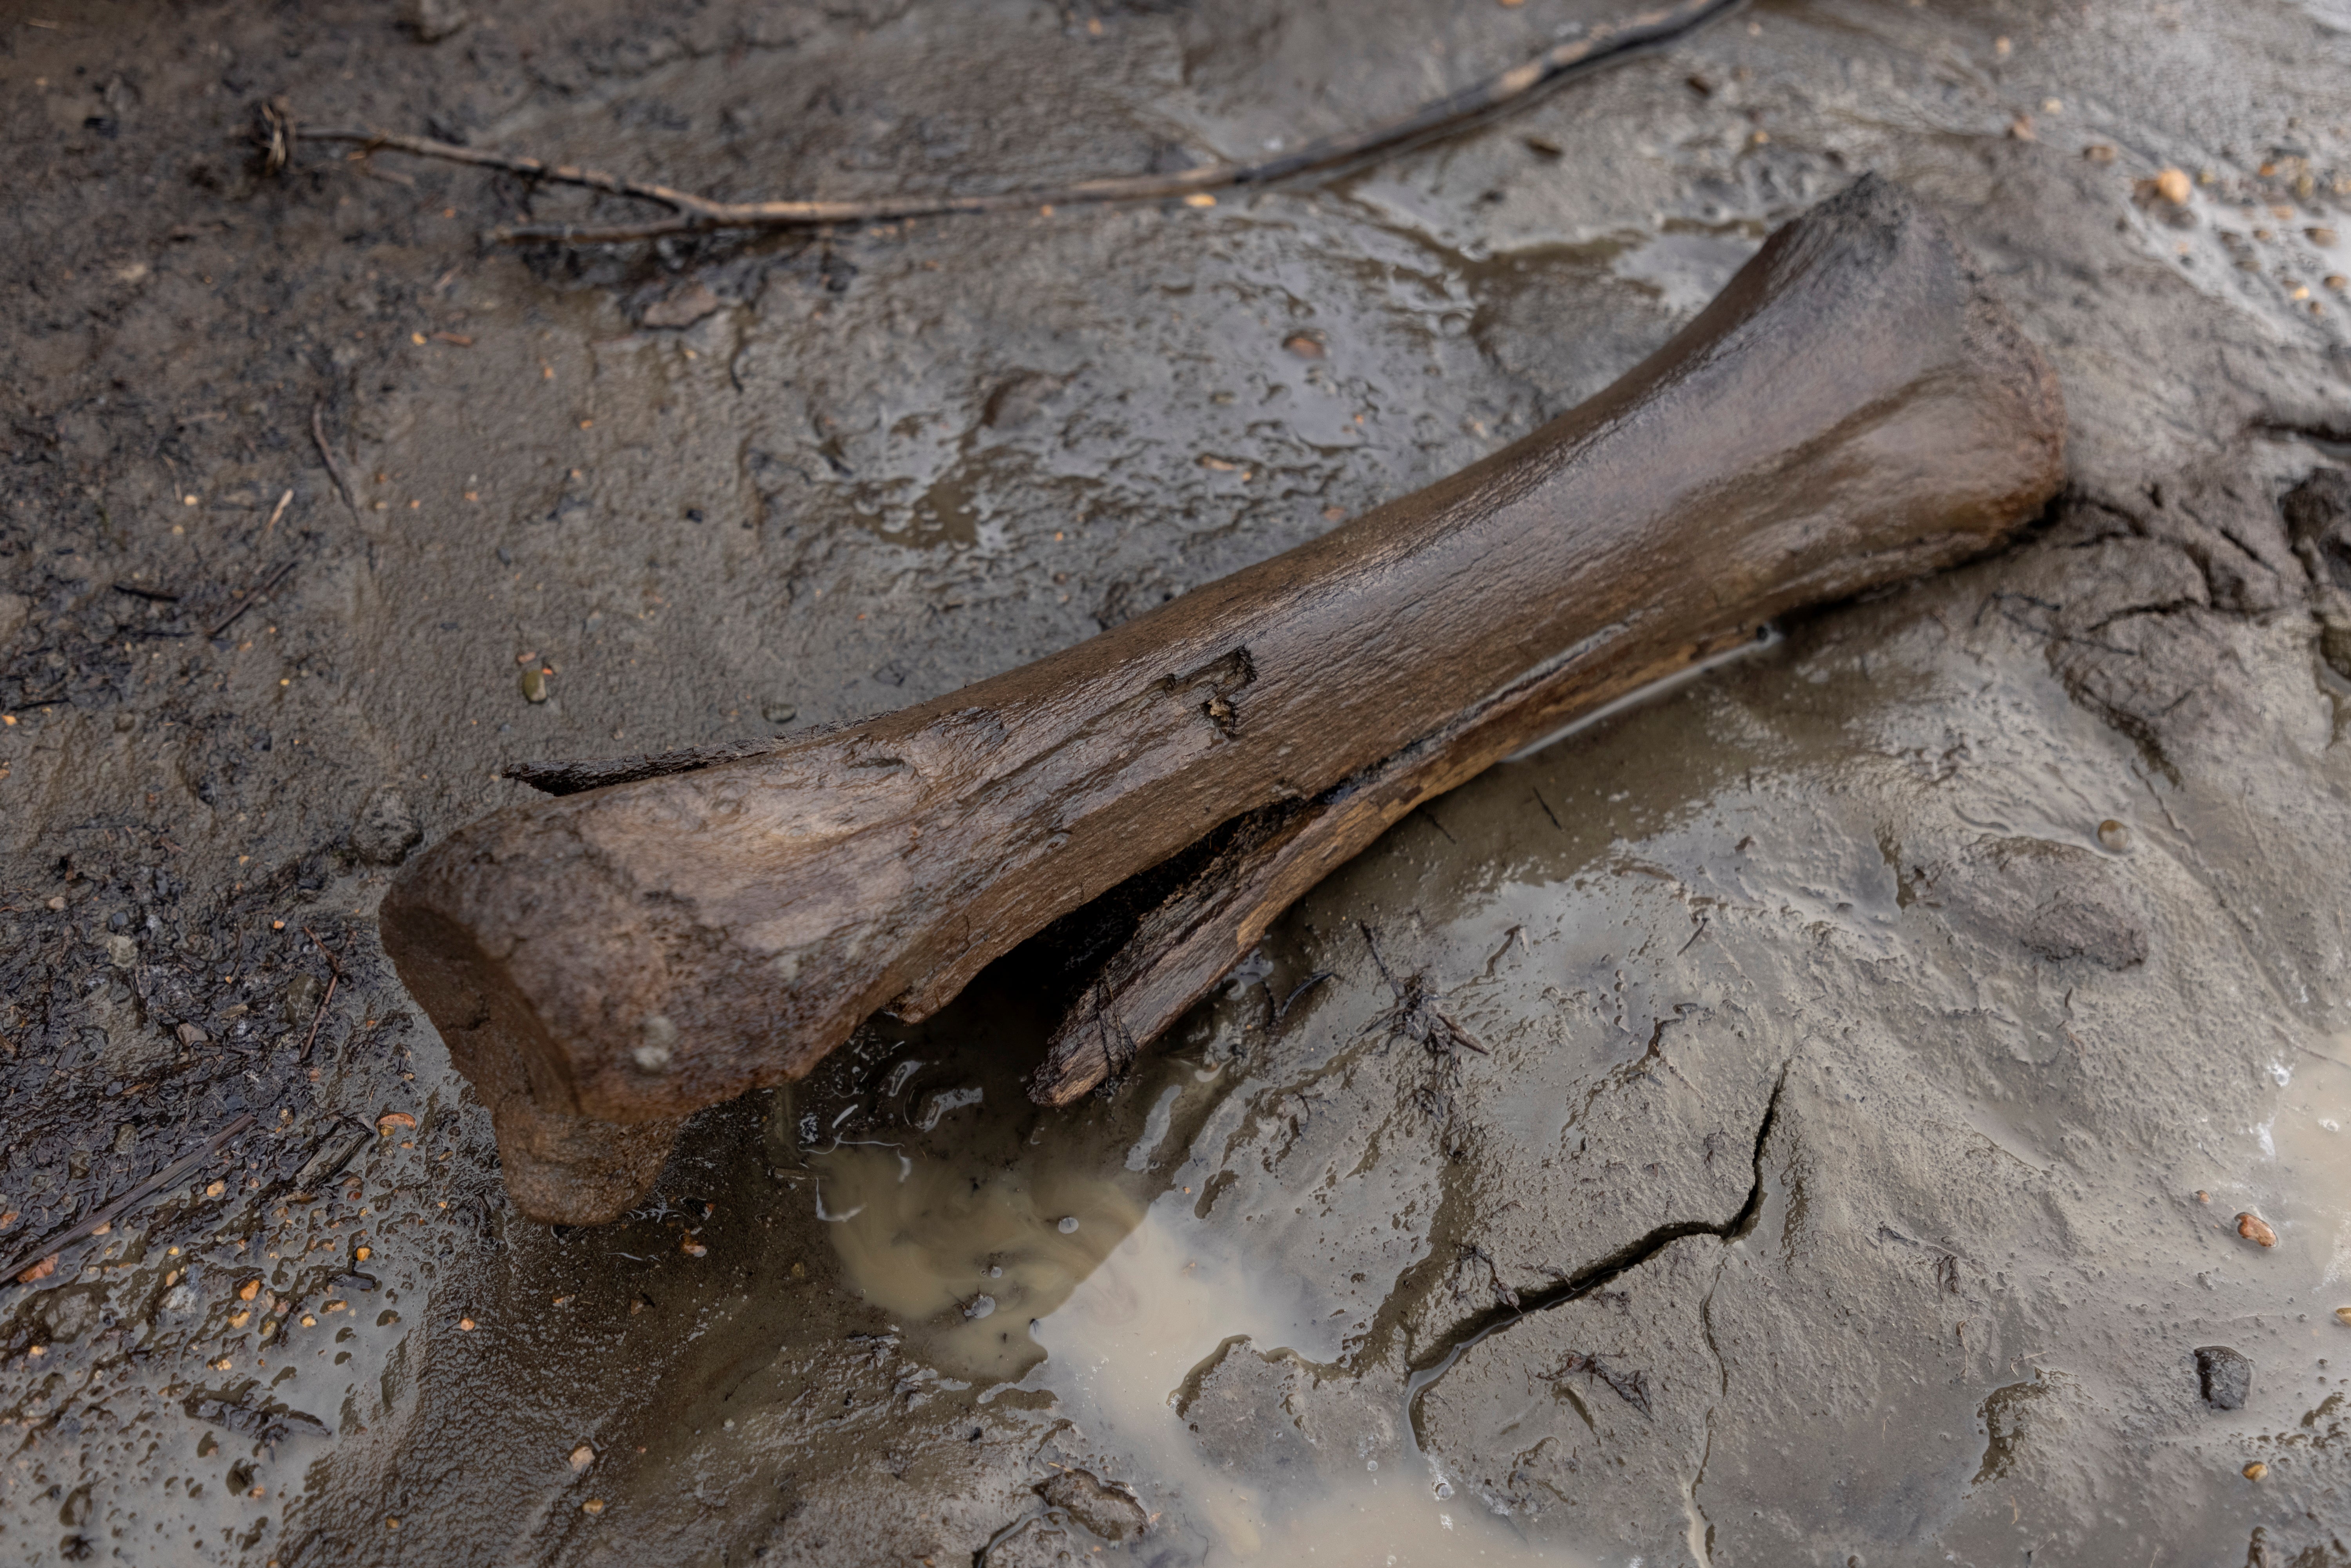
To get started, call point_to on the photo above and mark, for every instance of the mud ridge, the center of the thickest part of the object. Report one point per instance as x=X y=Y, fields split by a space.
x=1595 y=1275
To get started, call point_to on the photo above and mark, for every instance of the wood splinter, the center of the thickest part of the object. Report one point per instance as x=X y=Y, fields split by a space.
x=1853 y=410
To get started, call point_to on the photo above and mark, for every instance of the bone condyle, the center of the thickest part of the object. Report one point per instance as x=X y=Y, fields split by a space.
x=1853 y=410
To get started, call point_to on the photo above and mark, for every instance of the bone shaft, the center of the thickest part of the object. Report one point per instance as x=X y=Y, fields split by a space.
x=1852 y=410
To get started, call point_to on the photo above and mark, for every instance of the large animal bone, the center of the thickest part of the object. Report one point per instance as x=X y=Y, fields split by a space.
x=1854 y=409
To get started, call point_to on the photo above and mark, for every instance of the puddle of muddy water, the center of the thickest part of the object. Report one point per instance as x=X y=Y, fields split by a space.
x=1054 y=1279
x=2301 y=1184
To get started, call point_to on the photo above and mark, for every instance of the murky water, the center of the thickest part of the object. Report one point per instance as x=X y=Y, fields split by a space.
x=1049 y=1277
x=2301 y=1184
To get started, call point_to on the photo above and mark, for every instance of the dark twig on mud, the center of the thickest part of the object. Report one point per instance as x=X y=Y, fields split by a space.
x=1412 y=1017
x=326 y=455
x=326 y=1001
x=251 y=594
x=169 y=1175
x=1299 y=990
x=690 y=213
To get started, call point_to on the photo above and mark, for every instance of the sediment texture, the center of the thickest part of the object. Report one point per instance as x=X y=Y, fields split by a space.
x=1823 y=1182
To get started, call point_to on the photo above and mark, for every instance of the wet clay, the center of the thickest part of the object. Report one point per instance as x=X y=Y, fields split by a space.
x=1852 y=409
x=1822 y=1102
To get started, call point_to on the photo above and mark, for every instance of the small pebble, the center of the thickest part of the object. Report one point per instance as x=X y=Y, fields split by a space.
x=466 y=1324
x=2343 y=1316
x=2256 y=1470
x=2224 y=1377
x=593 y=1505
x=1305 y=345
x=582 y=1456
x=1069 y=1223
x=533 y=686
x=2253 y=1227
x=2114 y=835
x=2098 y=153
x=2172 y=186
x=2320 y=235
x=386 y=830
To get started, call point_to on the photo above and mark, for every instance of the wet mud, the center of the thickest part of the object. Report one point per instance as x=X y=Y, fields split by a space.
x=1804 y=1118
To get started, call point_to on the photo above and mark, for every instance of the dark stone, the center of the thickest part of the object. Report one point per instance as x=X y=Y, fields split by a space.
x=387 y=830
x=2318 y=518
x=2223 y=1376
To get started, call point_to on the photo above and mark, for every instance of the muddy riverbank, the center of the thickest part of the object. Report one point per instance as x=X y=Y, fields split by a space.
x=1877 y=1039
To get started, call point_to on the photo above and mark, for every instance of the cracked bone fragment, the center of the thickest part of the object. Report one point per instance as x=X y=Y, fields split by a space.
x=1854 y=409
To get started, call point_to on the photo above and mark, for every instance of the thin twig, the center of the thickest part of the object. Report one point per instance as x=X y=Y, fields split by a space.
x=326 y=1001
x=282 y=502
x=326 y=455
x=690 y=213
x=168 y=1176
x=324 y=951
x=255 y=592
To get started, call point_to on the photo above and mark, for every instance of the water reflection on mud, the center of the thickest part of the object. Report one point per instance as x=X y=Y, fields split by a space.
x=1055 y=1279
x=2302 y=1186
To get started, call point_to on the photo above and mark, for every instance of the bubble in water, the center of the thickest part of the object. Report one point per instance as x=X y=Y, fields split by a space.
x=1069 y=1223
x=980 y=1307
x=2114 y=835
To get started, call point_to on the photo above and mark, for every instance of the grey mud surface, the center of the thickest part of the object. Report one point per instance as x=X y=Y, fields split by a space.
x=1846 y=1170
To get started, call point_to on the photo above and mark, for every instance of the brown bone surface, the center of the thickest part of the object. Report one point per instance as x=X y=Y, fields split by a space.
x=1854 y=409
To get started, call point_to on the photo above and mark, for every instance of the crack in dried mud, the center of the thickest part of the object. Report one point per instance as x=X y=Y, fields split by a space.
x=1593 y=1276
